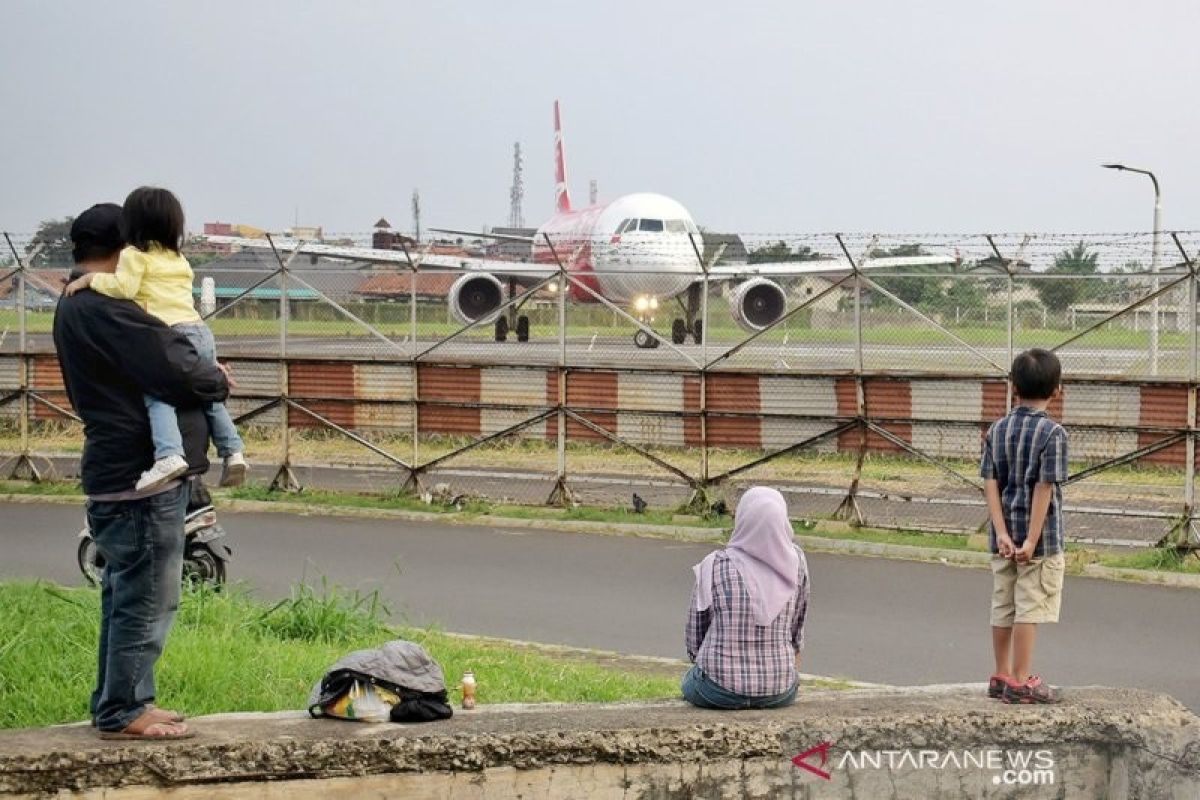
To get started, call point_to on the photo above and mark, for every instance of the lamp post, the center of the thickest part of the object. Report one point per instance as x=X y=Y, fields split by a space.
x=1154 y=258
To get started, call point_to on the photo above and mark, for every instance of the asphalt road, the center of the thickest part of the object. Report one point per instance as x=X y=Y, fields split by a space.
x=773 y=355
x=871 y=619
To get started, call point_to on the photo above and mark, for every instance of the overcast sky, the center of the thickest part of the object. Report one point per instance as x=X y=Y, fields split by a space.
x=943 y=116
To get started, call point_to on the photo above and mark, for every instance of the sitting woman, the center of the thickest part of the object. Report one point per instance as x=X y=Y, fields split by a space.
x=746 y=623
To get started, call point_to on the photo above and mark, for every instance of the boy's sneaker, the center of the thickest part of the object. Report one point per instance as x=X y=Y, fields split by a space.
x=1030 y=692
x=164 y=470
x=233 y=471
x=996 y=685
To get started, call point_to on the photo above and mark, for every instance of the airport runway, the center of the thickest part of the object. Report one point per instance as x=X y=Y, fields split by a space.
x=871 y=619
x=619 y=353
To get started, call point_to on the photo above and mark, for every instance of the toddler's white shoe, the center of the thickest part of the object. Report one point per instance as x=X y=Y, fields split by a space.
x=233 y=471
x=164 y=470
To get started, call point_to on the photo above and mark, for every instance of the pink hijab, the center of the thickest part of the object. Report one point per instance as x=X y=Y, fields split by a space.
x=763 y=552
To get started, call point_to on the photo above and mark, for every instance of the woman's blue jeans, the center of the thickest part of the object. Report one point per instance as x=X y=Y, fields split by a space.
x=700 y=690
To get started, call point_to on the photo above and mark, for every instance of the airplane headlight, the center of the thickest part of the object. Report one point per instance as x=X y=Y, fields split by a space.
x=552 y=287
x=654 y=302
x=641 y=304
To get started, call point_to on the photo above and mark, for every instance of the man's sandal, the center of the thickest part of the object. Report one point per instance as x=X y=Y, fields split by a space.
x=150 y=725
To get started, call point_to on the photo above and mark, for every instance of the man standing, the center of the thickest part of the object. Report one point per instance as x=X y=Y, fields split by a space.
x=112 y=354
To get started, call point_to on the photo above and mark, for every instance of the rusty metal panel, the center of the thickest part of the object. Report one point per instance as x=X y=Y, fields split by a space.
x=650 y=430
x=238 y=406
x=254 y=378
x=778 y=434
x=592 y=390
x=453 y=384
x=788 y=395
x=948 y=441
x=1163 y=406
x=494 y=420
x=383 y=381
x=947 y=400
x=332 y=379
x=10 y=372
x=1102 y=404
x=45 y=375
x=649 y=391
x=888 y=398
x=513 y=387
x=391 y=417
x=450 y=420
x=733 y=393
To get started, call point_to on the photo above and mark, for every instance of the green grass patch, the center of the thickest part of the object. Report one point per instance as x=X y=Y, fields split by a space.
x=942 y=541
x=1158 y=559
x=230 y=652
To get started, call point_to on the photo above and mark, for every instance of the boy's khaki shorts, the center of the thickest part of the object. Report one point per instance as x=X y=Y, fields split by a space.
x=1026 y=593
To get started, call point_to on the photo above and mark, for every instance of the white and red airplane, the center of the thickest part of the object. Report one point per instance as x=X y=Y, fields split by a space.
x=635 y=253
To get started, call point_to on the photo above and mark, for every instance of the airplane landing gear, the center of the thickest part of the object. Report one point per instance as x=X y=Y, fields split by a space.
x=522 y=328
x=644 y=340
x=678 y=331
x=501 y=329
x=698 y=331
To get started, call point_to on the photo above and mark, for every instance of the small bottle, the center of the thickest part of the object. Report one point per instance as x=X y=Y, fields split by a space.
x=468 y=690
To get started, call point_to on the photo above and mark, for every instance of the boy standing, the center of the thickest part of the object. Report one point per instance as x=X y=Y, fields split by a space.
x=1024 y=463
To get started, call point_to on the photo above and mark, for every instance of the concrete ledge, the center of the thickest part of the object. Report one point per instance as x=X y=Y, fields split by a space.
x=1100 y=743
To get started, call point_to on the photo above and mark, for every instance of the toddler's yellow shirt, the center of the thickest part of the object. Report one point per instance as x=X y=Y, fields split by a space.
x=159 y=281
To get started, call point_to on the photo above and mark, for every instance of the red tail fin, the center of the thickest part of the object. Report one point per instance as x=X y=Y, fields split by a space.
x=562 y=198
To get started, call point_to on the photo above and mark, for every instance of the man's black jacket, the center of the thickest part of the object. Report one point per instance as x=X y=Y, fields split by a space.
x=112 y=353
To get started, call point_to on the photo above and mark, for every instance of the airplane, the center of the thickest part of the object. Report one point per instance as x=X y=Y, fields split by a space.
x=636 y=252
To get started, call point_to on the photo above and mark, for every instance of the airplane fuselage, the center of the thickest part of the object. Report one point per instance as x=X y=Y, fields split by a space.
x=634 y=251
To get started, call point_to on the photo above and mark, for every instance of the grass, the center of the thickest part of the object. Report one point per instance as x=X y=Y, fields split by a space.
x=884 y=330
x=230 y=652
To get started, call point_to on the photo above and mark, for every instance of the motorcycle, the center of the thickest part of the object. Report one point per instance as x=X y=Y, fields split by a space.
x=204 y=555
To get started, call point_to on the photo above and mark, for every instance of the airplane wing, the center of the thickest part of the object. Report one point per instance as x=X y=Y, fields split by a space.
x=824 y=266
x=517 y=269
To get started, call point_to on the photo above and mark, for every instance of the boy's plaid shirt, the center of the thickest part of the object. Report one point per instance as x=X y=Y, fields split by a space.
x=737 y=654
x=1021 y=450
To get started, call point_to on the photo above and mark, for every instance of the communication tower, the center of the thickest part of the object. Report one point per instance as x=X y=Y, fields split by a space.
x=516 y=194
x=416 y=211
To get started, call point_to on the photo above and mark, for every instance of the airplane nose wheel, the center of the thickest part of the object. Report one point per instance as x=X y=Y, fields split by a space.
x=644 y=340
x=678 y=331
x=698 y=331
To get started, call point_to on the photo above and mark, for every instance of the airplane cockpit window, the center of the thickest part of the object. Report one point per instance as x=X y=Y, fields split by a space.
x=691 y=226
x=676 y=226
x=651 y=225
x=627 y=225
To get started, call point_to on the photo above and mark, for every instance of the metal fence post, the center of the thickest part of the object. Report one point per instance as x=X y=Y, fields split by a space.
x=849 y=509
x=285 y=478
x=23 y=467
x=1188 y=533
x=561 y=494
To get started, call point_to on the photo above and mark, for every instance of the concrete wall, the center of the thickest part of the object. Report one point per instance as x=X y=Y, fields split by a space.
x=1100 y=743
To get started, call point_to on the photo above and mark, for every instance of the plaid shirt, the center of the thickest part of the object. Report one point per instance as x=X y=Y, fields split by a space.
x=1020 y=451
x=737 y=654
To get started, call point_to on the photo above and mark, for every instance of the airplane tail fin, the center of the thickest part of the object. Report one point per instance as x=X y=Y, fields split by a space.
x=562 y=198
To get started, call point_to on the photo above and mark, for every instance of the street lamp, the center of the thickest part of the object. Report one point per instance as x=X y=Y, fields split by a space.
x=1154 y=258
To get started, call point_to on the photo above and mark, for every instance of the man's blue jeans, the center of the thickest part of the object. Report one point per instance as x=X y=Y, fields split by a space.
x=141 y=542
x=700 y=690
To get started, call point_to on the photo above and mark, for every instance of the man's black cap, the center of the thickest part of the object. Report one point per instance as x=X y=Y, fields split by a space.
x=97 y=230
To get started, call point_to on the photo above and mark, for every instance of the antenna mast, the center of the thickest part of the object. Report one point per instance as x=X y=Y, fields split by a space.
x=416 y=211
x=516 y=194
x=593 y=192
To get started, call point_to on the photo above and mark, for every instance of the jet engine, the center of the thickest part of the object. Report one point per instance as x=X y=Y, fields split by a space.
x=475 y=297
x=757 y=303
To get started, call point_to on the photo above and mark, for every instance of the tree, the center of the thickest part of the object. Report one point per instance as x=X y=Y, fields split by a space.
x=781 y=252
x=55 y=234
x=912 y=288
x=1060 y=294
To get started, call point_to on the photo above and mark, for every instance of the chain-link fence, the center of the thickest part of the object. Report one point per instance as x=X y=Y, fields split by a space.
x=855 y=372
